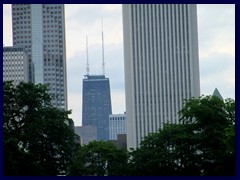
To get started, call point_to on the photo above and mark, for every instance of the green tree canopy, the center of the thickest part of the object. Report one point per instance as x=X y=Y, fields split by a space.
x=202 y=144
x=99 y=158
x=37 y=139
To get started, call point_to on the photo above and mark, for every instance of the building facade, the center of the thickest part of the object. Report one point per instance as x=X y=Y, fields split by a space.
x=96 y=104
x=40 y=29
x=121 y=141
x=117 y=125
x=86 y=133
x=161 y=64
x=15 y=65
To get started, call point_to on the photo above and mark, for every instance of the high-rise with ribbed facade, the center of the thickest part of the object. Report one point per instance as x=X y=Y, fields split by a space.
x=40 y=29
x=161 y=65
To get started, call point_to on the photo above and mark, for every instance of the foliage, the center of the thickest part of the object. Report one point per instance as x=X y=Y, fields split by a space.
x=37 y=140
x=203 y=144
x=171 y=151
x=99 y=158
x=215 y=122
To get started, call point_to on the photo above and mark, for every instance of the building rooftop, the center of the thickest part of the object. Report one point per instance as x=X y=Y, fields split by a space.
x=217 y=93
x=95 y=76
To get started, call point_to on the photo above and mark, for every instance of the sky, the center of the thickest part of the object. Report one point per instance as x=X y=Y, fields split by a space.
x=216 y=37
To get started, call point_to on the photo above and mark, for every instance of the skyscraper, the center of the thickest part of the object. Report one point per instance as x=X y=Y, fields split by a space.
x=117 y=125
x=40 y=29
x=161 y=64
x=15 y=65
x=96 y=105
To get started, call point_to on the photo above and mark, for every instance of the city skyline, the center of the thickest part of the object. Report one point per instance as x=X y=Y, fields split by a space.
x=216 y=24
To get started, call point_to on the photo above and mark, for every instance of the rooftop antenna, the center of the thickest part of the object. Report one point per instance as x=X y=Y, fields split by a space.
x=103 y=63
x=87 y=55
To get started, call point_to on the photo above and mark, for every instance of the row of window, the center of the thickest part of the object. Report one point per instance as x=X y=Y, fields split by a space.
x=51 y=7
x=21 y=7
x=52 y=79
x=55 y=16
x=15 y=79
x=12 y=66
x=12 y=54
x=52 y=31
x=21 y=13
x=52 y=42
x=13 y=70
x=22 y=26
x=117 y=118
x=53 y=89
x=14 y=76
x=59 y=84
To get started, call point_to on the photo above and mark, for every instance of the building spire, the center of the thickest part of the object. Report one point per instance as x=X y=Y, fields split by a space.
x=87 y=67
x=103 y=63
x=217 y=93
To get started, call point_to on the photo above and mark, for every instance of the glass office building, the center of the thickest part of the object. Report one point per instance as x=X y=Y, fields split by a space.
x=96 y=104
x=40 y=29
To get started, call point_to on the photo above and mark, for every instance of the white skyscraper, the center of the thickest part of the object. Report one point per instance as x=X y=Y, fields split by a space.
x=161 y=65
x=117 y=125
x=40 y=29
x=15 y=65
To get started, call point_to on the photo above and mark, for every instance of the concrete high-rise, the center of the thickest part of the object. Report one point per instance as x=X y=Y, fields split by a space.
x=15 y=65
x=96 y=104
x=161 y=65
x=40 y=29
x=117 y=125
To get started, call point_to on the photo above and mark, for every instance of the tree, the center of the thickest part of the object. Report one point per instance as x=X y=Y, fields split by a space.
x=170 y=151
x=99 y=158
x=37 y=139
x=202 y=144
x=214 y=119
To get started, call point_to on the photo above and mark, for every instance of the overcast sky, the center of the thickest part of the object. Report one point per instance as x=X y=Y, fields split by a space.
x=216 y=36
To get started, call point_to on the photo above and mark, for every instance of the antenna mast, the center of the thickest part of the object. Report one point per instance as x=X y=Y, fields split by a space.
x=87 y=55
x=103 y=63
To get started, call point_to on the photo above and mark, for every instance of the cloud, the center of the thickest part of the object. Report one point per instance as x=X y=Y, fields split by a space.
x=216 y=28
x=7 y=22
x=75 y=105
x=216 y=34
x=115 y=66
x=217 y=71
x=85 y=20
x=118 y=102
x=216 y=63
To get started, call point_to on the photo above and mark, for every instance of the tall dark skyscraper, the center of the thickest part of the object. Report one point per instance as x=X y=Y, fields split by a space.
x=161 y=65
x=96 y=105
